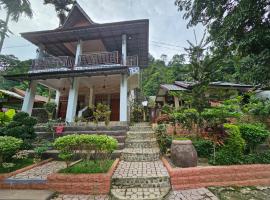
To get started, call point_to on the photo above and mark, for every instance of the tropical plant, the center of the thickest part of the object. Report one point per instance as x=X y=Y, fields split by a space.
x=22 y=126
x=14 y=10
x=163 y=119
x=6 y=117
x=61 y=8
x=102 y=113
x=163 y=139
x=50 y=108
x=204 y=147
x=8 y=147
x=253 y=134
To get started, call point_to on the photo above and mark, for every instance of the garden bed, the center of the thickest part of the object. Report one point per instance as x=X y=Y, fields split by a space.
x=16 y=164
x=85 y=183
x=233 y=175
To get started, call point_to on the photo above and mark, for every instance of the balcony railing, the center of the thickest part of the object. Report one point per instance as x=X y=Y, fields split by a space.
x=85 y=61
x=51 y=63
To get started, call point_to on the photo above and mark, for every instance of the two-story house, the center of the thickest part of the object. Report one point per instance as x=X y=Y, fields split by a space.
x=87 y=63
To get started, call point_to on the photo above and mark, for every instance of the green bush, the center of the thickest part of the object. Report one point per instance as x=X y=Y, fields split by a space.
x=204 y=148
x=232 y=151
x=72 y=145
x=257 y=158
x=6 y=117
x=22 y=126
x=50 y=107
x=8 y=147
x=163 y=139
x=253 y=134
x=102 y=113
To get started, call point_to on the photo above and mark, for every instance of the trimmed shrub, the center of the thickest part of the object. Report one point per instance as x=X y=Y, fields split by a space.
x=163 y=119
x=253 y=134
x=8 y=147
x=102 y=113
x=72 y=145
x=204 y=148
x=22 y=126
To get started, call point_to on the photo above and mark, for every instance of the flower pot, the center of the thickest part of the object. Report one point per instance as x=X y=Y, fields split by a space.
x=183 y=153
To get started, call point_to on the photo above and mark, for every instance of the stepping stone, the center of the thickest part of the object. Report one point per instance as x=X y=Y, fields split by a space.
x=140 y=154
x=25 y=194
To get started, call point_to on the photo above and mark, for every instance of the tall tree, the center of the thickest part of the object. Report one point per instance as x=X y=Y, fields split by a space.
x=239 y=28
x=14 y=10
x=61 y=8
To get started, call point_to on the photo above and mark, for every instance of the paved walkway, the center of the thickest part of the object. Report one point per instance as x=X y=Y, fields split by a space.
x=25 y=194
x=37 y=174
x=193 y=194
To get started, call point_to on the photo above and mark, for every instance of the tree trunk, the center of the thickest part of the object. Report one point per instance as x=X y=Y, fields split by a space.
x=3 y=35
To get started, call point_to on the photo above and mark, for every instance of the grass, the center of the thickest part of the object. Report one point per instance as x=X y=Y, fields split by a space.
x=89 y=167
x=19 y=163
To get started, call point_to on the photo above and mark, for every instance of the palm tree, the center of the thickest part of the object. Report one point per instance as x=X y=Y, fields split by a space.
x=15 y=9
x=61 y=8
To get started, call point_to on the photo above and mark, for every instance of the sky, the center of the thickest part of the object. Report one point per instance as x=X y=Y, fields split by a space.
x=168 y=33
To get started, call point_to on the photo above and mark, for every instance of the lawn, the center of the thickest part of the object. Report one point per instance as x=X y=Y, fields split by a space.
x=18 y=164
x=89 y=167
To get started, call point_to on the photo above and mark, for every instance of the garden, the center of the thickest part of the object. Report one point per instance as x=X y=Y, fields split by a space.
x=234 y=132
x=22 y=150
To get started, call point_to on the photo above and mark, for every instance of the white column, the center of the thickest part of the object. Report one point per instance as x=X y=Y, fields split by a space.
x=78 y=52
x=29 y=98
x=91 y=96
x=41 y=52
x=57 y=99
x=124 y=50
x=72 y=100
x=123 y=98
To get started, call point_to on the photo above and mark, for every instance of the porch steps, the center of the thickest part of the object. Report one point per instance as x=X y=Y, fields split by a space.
x=140 y=174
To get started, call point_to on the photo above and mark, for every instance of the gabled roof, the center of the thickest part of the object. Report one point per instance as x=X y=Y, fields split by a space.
x=75 y=16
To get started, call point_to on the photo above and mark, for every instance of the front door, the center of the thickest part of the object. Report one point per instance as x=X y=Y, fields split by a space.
x=115 y=107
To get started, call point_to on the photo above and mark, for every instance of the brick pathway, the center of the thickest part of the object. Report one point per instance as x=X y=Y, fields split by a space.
x=37 y=174
x=192 y=194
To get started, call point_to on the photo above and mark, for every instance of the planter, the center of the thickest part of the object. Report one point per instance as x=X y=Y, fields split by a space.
x=94 y=184
x=183 y=153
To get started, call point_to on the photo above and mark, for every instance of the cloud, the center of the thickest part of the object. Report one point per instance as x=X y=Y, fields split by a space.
x=168 y=32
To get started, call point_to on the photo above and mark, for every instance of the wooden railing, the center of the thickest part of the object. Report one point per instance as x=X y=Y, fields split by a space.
x=104 y=58
x=63 y=63
x=53 y=63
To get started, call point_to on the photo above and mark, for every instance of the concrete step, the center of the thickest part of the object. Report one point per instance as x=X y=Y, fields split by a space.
x=140 y=128
x=135 y=193
x=141 y=143
x=25 y=194
x=140 y=154
x=140 y=135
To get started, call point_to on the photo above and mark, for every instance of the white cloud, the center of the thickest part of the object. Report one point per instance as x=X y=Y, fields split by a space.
x=166 y=23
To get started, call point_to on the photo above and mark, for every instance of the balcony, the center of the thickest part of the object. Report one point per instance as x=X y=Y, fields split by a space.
x=85 y=61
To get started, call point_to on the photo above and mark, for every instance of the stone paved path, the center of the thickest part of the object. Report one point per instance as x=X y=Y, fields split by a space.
x=192 y=194
x=37 y=174
x=81 y=197
x=140 y=174
x=25 y=194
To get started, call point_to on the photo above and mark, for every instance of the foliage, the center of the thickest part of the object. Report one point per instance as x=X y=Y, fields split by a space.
x=253 y=134
x=15 y=164
x=204 y=148
x=22 y=126
x=6 y=117
x=40 y=114
x=8 y=147
x=232 y=151
x=102 y=113
x=50 y=108
x=38 y=151
x=163 y=139
x=14 y=10
x=257 y=158
x=187 y=118
x=72 y=145
x=163 y=119
x=89 y=167
x=166 y=109
x=61 y=7
x=137 y=112
x=237 y=29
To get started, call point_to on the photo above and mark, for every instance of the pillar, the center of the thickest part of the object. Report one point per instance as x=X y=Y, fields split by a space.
x=72 y=100
x=123 y=98
x=57 y=99
x=29 y=98
x=124 y=50
x=91 y=96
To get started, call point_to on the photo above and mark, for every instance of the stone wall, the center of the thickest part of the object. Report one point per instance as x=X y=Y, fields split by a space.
x=95 y=184
x=234 y=175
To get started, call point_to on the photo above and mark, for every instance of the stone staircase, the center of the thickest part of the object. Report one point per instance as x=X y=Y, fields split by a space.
x=140 y=174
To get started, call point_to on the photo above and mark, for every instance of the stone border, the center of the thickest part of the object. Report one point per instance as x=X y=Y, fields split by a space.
x=94 y=184
x=233 y=175
x=4 y=185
